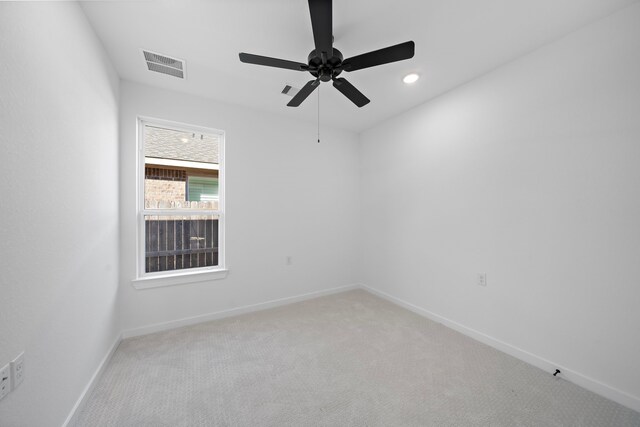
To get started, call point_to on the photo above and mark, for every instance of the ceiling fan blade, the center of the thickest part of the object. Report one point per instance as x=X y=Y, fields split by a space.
x=389 y=54
x=272 y=62
x=322 y=24
x=304 y=93
x=350 y=92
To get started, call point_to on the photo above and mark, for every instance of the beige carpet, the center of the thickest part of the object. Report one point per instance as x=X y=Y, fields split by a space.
x=349 y=359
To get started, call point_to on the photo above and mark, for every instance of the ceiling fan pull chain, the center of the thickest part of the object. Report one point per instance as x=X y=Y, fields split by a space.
x=318 y=115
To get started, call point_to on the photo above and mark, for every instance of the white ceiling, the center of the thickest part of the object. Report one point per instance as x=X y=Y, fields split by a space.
x=456 y=41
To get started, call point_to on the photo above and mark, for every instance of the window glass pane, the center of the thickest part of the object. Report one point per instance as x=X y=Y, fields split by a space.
x=173 y=160
x=202 y=189
x=177 y=242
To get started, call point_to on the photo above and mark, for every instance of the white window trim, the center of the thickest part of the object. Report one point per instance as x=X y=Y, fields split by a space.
x=144 y=280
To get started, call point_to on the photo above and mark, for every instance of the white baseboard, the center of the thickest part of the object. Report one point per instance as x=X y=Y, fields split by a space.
x=77 y=408
x=164 y=326
x=92 y=383
x=582 y=380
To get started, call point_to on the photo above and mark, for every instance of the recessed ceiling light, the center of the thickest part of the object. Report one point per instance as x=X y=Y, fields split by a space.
x=411 y=78
x=184 y=139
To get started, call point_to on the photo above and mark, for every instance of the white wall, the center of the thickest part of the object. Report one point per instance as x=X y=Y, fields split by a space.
x=58 y=204
x=530 y=174
x=285 y=195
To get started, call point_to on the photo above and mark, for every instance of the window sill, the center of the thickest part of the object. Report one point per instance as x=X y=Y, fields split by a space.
x=178 y=279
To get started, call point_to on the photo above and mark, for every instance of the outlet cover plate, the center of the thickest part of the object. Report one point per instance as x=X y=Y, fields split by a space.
x=17 y=371
x=482 y=279
x=5 y=381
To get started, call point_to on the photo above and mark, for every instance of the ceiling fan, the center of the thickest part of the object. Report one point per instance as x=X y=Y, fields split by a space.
x=326 y=63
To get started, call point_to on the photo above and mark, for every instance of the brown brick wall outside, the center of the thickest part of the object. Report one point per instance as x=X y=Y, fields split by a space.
x=166 y=188
x=168 y=191
x=165 y=174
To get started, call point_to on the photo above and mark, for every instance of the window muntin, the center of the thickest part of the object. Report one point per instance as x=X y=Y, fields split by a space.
x=178 y=233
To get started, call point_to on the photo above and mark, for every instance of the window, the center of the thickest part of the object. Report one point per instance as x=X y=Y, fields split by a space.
x=180 y=215
x=202 y=189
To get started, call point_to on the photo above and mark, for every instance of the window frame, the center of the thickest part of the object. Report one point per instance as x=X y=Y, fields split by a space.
x=144 y=279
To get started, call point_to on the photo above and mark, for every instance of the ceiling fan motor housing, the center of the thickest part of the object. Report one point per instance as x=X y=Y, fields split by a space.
x=325 y=63
x=325 y=71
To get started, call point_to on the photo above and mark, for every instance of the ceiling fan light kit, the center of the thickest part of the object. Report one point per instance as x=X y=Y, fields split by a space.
x=325 y=63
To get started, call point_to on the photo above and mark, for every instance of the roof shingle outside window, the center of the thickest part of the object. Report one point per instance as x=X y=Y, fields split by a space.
x=170 y=144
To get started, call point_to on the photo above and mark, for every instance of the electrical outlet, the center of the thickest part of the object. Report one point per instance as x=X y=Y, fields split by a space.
x=17 y=371
x=5 y=381
x=482 y=279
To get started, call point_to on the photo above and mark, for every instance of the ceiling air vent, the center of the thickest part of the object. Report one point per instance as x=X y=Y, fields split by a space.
x=289 y=90
x=164 y=64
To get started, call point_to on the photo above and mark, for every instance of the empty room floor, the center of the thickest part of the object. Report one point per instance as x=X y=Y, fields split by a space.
x=348 y=359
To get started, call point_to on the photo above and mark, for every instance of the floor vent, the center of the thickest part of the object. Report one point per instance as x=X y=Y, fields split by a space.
x=165 y=64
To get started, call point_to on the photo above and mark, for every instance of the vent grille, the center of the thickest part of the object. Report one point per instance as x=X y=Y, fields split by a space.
x=165 y=70
x=164 y=64
x=289 y=90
